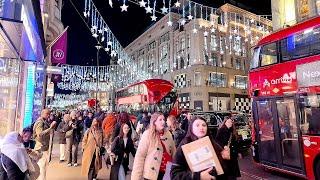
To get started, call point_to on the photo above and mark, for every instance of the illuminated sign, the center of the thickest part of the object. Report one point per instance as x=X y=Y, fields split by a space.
x=308 y=74
x=285 y=79
x=30 y=83
x=29 y=28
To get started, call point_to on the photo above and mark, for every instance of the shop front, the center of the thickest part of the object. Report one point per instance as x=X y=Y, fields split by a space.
x=21 y=49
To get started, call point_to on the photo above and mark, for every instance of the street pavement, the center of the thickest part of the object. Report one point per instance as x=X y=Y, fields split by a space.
x=60 y=171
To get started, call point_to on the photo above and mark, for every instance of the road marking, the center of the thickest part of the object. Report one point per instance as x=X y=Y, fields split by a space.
x=252 y=175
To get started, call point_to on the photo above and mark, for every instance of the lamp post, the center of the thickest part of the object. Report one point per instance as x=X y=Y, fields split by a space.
x=97 y=74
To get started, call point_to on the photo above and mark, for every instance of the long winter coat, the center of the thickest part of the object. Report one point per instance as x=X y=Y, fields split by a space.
x=61 y=132
x=119 y=149
x=90 y=147
x=180 y=168
x=149 y=155
x=222 y=139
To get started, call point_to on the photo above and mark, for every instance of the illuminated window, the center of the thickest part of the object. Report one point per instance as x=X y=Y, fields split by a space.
x=268 y=54
x=197 y=78
x=241 y=82
x=217 y=79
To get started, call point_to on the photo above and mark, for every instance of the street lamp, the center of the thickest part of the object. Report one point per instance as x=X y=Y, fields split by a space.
x=97 y=73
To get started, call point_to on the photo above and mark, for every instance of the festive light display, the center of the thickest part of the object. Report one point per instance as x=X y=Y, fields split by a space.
x=107 y=39
x=241 y=28
x=64 y=100
x=84 y=78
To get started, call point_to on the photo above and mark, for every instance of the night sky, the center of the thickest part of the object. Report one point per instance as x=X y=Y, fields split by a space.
x=126 y=26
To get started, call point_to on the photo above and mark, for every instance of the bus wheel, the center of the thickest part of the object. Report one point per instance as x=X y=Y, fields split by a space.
x=317 y=170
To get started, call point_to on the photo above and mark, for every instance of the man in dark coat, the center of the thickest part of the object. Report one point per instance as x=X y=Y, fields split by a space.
x=73 y=142
x=62 y=135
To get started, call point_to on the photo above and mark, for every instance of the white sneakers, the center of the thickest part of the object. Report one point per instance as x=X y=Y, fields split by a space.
x=75 y=165
x=69 y=165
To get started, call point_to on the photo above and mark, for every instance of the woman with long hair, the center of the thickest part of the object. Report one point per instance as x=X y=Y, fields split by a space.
x=156 y=148
x=123 y=118
x=174 y=127
x=121 y=147
x=227 y=138
x=93 y=141
x=197 y=129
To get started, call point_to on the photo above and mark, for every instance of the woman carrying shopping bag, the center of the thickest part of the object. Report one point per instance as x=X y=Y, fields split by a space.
x=121 y=147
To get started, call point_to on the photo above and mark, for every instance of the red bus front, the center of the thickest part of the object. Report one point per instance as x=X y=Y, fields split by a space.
x=284 y=82
x=150 y=95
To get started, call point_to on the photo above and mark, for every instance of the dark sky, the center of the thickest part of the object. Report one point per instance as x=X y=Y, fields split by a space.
x=126 y=26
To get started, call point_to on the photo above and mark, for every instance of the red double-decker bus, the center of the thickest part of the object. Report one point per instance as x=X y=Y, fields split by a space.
x=150 y=95
x=284 y=83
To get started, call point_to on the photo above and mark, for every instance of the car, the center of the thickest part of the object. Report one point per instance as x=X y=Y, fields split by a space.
x=243 y=128
x=214 y=120
x=241 y=122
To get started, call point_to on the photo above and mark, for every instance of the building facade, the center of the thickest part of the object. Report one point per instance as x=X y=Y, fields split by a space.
x=289 y=12
x=207 y=61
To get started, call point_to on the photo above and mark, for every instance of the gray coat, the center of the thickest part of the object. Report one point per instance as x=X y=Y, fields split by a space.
x=61 y=132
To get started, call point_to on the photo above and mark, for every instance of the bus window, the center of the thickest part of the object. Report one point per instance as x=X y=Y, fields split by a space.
x=310 y=112
x=302 y=44
x=255 y=60
x=268 y=54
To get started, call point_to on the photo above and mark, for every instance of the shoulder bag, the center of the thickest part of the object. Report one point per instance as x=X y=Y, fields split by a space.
x=226 y=151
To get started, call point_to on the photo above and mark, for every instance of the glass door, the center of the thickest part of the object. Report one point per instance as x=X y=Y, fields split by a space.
x=288 y=133
x=267 y=148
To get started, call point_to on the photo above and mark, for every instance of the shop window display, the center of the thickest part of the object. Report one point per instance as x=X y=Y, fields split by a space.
x=9 y=82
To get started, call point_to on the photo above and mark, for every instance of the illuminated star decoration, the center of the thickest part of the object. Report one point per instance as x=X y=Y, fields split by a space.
x=164 y=10
x=142 y=3
x=169 y=23
x=205 y=33
x=124 y=7
x=183 y=22
x=148 y=9
x=113 y=53
x=177 y=4
x=190 y=17
x=154 y=18
x=195 y=30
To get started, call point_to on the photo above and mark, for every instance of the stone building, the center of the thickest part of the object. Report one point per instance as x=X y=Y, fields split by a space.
x=207 y=61
x=289 y=12
x=53 y=26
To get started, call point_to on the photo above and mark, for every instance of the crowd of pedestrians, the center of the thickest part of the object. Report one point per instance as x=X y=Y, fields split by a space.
x=153 y=140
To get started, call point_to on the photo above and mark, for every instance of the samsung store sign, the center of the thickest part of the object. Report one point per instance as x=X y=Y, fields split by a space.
x=308 y=74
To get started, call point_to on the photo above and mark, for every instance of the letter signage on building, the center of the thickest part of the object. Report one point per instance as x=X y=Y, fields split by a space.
x=308 y=74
